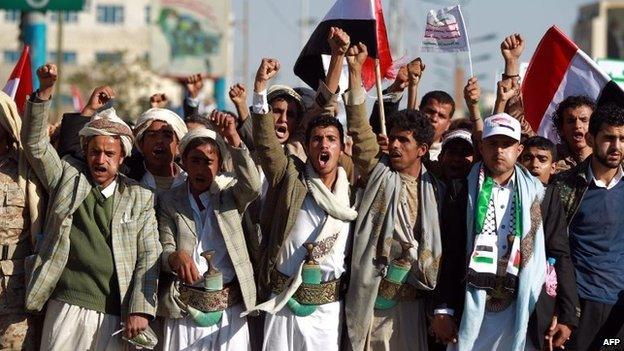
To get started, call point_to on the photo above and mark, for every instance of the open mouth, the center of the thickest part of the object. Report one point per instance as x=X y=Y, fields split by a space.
x=281 y=131
x=158 y=151
x=578 y=136
x=395 y=155
x=323 y=159
x=99 y=169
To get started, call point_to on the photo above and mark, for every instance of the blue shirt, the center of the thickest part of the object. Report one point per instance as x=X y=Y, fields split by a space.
x=597 y=243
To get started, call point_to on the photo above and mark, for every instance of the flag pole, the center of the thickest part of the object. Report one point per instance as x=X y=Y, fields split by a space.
x=470 y=62
x=382 y=114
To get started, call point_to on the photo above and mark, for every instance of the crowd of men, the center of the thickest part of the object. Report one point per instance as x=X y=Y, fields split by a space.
x=277 y=228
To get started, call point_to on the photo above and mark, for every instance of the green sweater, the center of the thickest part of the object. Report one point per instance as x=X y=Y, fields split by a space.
x=89 y=279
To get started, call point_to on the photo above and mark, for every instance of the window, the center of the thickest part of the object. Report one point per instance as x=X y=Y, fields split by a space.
x=69 y=57
x=68 y=17
x=108 y=56
x=148 y=14
x=12 y=15
x=11 y=56
x=110 y=14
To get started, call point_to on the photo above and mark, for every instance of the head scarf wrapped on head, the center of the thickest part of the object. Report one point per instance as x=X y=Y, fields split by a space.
x=159 y=114
x=27 y=179
x=201 y=133
x=107 y=123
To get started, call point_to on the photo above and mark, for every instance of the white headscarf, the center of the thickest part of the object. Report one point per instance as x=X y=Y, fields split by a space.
x=200 y=132
x=159 y=114
x=107 y=123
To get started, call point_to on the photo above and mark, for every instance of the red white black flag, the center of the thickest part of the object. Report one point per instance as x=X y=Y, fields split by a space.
x=364 y=22
x=19 y=84
x=559 y=69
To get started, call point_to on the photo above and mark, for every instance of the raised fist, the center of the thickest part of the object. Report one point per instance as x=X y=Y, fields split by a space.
x=194 y=84
x=356 y=55
x=338 y=41
x=47 y=75
x=267 y=70
x=512 y=47
x=99 y=97
x=238 y=94
x=415 y=70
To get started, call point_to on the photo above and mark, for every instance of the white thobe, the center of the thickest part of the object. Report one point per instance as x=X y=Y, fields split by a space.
x=231 y=333
x=322 y=329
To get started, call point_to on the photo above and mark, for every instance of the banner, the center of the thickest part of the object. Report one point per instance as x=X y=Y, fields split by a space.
x=190 y=36
x=445 y=31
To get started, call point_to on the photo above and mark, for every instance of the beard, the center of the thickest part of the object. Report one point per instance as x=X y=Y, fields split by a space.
x=604 y=160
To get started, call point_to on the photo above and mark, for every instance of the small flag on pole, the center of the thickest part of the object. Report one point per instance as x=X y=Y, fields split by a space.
x=19 y=84
x=559 y=69
x=446 y=32
x=363 y=21
x=76 y=98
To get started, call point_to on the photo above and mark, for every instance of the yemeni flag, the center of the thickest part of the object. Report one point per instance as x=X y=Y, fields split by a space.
x=364 y=22
x=557 y=70
x=19 y=84
x=76 y=98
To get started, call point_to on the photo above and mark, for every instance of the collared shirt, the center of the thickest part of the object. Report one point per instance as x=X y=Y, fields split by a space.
x=209 y=237
x=502 y=196
x=260 y=103
x=109 y=190
x=599 y=183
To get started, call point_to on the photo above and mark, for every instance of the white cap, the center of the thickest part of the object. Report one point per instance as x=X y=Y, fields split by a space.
x=502 y=124
x=461 y=134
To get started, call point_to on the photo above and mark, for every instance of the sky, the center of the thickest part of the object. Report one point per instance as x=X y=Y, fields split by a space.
x=275 y=32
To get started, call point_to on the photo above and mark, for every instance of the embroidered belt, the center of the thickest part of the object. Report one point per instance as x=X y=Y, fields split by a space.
x=310 y=294
x=211 y=301
x=399 y=292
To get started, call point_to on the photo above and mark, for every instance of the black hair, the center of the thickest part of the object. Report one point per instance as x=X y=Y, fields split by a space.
x=609 y=114
x=415 y=122
x=441 y=97
x=460 y=123
x=541 y=143
x=201 y=141
x=288 y=100
x=324 y=122
x=196 y=118
x=572 y=102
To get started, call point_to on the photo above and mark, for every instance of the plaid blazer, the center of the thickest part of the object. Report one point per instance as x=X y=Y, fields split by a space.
x=177 y=228
x=134 y=233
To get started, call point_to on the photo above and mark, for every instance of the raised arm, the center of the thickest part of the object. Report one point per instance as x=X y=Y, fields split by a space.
x=511 y=50
x=247 y=187
x=194 y=84
x=472 y=95
x=326 y=97
x=415 y=70
x=268 y=149
x=41 y=155
x=238 y=96
x=365 y=148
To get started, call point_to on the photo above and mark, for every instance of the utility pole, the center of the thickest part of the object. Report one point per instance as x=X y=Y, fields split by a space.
x=397 y=25
x=34 y=27
x=305 y=10
x=59 y=64
x=246 y=41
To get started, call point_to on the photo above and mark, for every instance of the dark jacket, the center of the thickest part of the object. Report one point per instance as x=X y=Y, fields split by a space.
x=572 y=185
x=566 y=304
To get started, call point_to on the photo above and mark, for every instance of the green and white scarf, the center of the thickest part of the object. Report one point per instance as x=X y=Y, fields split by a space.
x=482 y=268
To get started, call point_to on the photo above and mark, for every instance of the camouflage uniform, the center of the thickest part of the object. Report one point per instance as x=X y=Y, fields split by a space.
x=15 y=245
